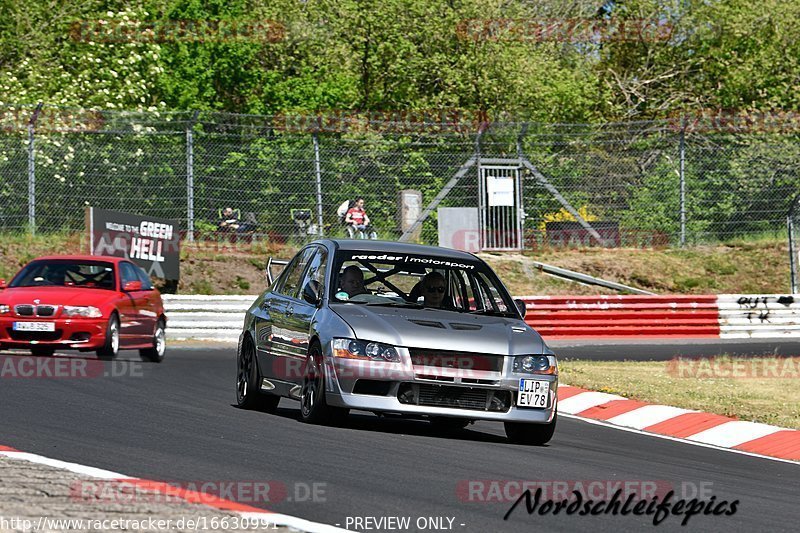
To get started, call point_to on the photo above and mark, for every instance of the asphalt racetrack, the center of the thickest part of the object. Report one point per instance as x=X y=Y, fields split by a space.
x=176 y=421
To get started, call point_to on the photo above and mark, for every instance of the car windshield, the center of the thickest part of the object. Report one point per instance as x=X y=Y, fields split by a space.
x=406 y=280
x=85 y=274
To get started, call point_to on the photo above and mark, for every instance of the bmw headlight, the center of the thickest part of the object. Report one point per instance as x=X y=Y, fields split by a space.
x=86 y=311
x=4 y=309
x=371 y=351
x=535 y=364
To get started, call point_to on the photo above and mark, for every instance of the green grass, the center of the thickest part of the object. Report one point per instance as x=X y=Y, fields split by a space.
x=17 y=248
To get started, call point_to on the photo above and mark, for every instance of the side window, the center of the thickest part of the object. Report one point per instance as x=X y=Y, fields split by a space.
x=489 y=297
x=314 y=280
x=128 y=273
x=294 y=271
x=462 y=288
x=147 y=285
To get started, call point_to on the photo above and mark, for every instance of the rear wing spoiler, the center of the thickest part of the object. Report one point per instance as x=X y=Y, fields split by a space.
x=270 y=277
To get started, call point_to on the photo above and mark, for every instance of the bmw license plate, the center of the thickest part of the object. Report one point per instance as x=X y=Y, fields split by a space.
x=34 y=326
x=533 y=393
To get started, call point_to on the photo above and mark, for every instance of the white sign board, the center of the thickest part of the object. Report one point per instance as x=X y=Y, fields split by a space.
x=500 y=190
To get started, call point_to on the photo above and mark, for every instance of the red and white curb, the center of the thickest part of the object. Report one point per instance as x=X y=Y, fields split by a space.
x=172 y=491
x=694 y=427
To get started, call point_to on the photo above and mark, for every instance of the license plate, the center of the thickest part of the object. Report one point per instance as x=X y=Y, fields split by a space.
x=533 y=393
x=34 y=326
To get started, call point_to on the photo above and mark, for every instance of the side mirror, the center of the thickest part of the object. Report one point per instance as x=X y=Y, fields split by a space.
x=131 y=286
x=521 y=307
x=3 y=284
x=311 y=293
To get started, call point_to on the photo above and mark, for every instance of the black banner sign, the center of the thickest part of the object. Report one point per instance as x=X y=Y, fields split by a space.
x=152 y=243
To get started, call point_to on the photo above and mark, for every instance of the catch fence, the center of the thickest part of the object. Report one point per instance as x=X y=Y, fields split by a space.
x=648 y=184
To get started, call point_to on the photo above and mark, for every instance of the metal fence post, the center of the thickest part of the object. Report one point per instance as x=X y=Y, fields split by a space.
x=481 y=193
x=320 y=229
x=792 y=263
x=32 y=170
x=682 y=176
x=190 y=177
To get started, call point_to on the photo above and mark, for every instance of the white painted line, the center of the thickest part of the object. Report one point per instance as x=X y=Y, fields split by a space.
x=676 y=439
x=266 y=516
x=647 y=415
x=72 y=467
x=292 y=521
x=585 y=400
x=734 y=433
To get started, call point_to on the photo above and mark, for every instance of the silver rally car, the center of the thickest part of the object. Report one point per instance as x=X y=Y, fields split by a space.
x=397 y=328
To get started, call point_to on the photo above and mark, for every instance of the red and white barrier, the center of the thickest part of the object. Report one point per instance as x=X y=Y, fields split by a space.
x=693 y=426
x=564 y=317
x=560 y=317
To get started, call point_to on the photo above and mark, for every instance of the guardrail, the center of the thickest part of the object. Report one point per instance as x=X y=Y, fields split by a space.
x=220 y=318
x=585 y=279
x=210 y=318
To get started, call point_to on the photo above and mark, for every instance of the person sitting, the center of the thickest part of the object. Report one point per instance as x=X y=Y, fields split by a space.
x=56 y=275
x=357 y=220
x=433 y=289
x=229 y=221
x=352 y=281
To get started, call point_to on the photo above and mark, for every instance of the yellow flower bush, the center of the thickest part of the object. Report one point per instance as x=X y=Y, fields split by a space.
x=562 y=215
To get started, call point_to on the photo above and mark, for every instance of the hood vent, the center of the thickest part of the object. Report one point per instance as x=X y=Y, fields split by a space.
x=428 y=323
x=466 y=327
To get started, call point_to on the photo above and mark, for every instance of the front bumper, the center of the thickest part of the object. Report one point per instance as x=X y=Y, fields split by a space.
x=78 y=333
x=403 y=388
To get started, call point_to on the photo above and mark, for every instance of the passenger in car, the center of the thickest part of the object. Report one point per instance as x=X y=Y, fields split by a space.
x=433 y=289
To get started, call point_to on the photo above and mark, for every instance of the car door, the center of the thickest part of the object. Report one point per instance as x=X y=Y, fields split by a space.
x=301 y=310
x=134 y=325
x=271 y=305
x=275 y=340
x=151 y=308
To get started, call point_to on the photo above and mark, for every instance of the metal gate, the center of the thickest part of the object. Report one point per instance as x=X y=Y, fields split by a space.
x=500 y=206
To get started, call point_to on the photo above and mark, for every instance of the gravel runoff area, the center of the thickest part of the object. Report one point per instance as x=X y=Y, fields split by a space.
x=35 y=497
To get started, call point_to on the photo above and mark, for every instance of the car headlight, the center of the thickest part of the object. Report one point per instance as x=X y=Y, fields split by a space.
x=86 y=311
x=4 y=309
x=371 y=351
x=535 y=364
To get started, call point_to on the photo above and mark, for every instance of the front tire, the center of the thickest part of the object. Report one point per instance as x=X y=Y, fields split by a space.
x=111 y=348
x=248 y=382
x=313 y=407
x=156 y=353
x=531 y=434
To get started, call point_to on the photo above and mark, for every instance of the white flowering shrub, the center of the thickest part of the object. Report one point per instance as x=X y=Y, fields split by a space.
x=112 y=73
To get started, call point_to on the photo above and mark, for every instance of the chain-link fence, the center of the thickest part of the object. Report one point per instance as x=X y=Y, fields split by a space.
x=656 y=183
x=793 y=224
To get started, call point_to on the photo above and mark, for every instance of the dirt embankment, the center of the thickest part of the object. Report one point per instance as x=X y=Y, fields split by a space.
x=238 y=268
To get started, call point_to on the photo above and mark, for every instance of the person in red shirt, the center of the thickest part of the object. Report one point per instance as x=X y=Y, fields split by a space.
x=357 y=217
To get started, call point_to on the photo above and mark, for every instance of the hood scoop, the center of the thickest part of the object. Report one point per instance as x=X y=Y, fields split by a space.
x=428 y=323
x=466 y=327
